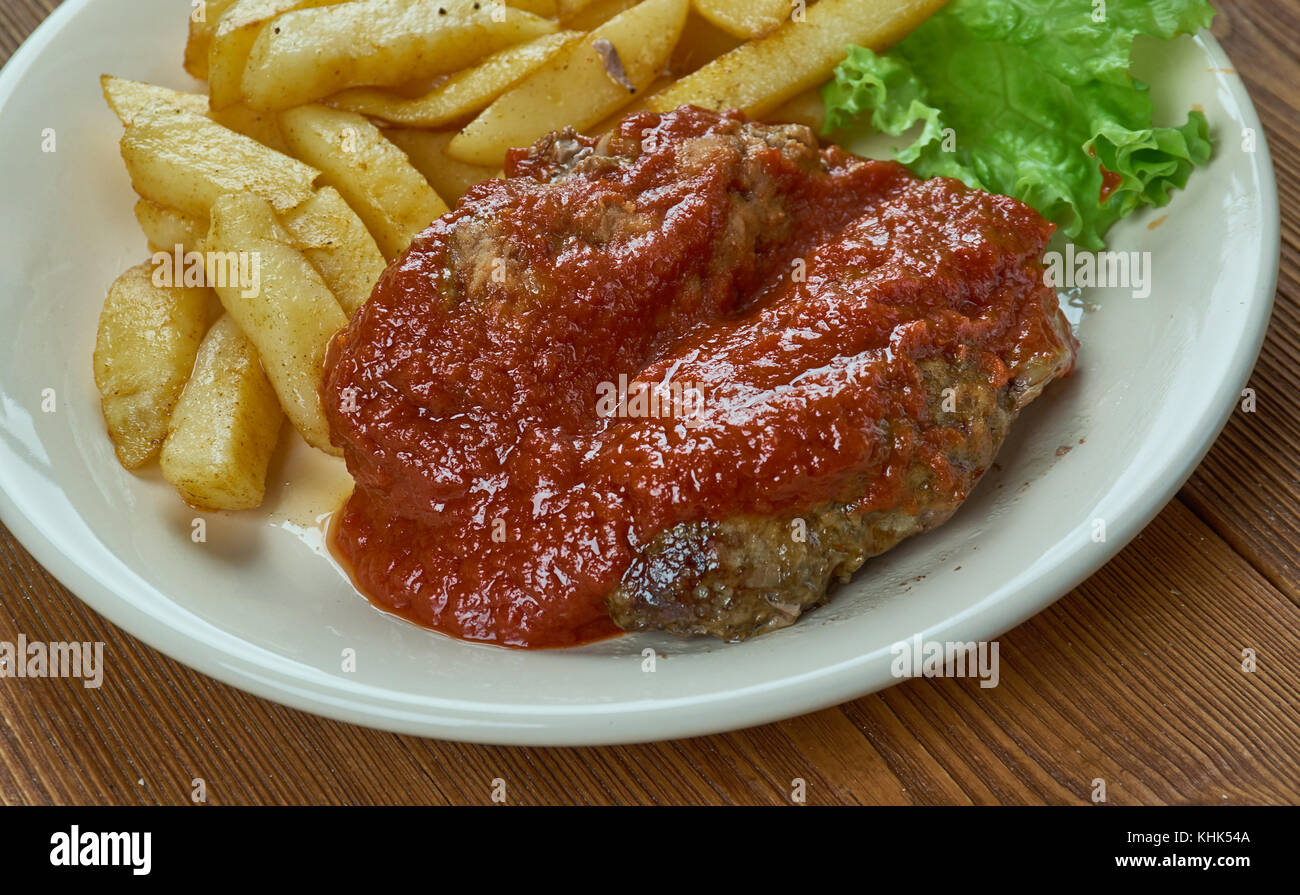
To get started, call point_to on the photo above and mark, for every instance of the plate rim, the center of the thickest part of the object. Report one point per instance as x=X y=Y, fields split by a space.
x=633 y=721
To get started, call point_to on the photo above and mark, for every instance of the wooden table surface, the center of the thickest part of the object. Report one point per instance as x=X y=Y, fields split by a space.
x=1135 y=677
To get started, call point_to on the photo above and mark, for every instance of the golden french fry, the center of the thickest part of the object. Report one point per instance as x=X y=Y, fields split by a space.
x=544 y=8
x=427 y=150
x=807 y=109
x=279 y=301
x=148 y=337
x=461 y=96
x=328 y=231
x=374 y=176
x=324 y=228
x=745 y=18
x=313 y=53
x=129 y=98
x=331 y=236
x=701 y=43
x=610 y=121
x=762 y=74
x=233 y=40
x=185 y=161
x=224 y=428
x=166 y=228
x=579 y=86
x=203 y=24
x=264 y=127
x=588 y=15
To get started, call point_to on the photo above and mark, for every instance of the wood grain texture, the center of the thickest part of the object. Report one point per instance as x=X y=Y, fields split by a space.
x=1248 y=488
x=1135 y=678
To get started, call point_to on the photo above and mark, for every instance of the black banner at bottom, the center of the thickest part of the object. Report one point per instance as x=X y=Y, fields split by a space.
x=215 y=844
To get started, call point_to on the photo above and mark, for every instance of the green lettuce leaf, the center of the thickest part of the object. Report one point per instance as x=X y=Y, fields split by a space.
x=1033 y=99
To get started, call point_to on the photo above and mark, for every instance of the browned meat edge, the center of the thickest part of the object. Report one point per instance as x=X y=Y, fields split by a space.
x=748 y=575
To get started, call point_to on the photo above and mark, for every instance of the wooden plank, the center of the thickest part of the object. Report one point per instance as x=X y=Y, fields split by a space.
x=19 y=18
x=1136 y=678
x=1248 y=488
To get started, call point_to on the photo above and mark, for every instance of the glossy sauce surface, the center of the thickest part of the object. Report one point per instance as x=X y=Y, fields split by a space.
x=497 y=496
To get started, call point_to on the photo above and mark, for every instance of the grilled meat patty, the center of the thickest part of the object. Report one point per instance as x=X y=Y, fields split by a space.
x=750 y=574
x=858 y=342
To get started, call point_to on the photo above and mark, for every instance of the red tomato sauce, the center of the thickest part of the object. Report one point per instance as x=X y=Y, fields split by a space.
x=493 y=501
x=1110 y=181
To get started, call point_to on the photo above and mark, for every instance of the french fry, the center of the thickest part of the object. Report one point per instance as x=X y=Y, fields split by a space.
x=374 y=176
x=331 y=236
x=203 y=24
x=609 y=122
x=285 y=309
x=588 y=15
x=324 y=228
x=224 y=428
x=233 y=40
x=129 y=98
x=313 y=53
x=807 y=109
x=577 y=87
x=327 y=231
x=166 y=228
x=461 y=96
x=700 y=44
x=264 y=127
x=185 y=161
x=745 y=18
x=148 y=337
x=544 y=8
x=760 y=75
x=427 y=150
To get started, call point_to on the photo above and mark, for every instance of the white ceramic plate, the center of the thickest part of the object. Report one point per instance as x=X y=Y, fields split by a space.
x=261 y=606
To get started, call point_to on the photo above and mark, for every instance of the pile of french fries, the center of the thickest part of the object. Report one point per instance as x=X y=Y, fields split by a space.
x=334 y=131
